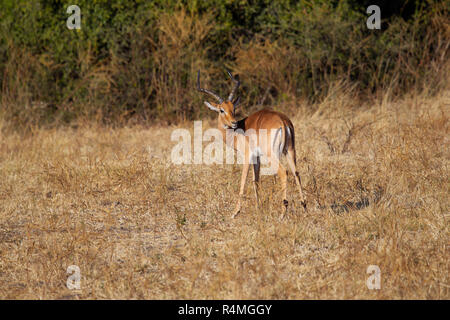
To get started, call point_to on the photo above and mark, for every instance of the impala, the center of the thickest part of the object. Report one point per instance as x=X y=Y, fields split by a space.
x=253 y=146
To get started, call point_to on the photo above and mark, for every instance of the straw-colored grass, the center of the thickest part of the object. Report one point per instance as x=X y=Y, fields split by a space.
x=111 y=202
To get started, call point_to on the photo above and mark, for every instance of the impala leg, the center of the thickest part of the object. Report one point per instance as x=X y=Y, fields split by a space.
x=292 y=165
x=256 y=167
x=241 y=192
x=283 y=180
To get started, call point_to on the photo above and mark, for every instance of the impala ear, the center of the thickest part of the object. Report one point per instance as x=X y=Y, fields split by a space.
x=210 y=106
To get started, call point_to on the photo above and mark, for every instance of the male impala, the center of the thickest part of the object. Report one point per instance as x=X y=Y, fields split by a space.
x=253 y=146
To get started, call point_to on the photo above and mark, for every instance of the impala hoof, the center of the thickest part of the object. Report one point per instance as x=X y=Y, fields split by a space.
x=284 y=209
x=304 y=206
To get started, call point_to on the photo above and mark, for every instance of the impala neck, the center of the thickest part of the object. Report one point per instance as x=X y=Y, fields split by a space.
x=221 y=126
x=225 y=131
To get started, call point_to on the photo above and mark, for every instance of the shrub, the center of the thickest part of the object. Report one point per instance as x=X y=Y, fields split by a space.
x=138 y=60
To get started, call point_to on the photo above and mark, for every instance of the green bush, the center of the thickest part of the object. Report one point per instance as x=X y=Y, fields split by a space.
x=138 y=59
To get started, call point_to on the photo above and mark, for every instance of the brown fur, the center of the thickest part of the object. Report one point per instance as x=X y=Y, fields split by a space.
x=264 y=119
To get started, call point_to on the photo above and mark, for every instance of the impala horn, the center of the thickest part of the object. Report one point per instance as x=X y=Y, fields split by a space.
x=215 y=95
x=236 y=86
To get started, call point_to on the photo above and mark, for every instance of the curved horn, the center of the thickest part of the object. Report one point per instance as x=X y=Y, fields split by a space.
x=236 y=86
x=236 y=103
x=215 y=95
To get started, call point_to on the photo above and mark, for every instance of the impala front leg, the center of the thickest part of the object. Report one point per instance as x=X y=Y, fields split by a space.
x=241 y=192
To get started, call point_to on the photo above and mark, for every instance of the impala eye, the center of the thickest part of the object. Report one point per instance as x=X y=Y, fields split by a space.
x=222 y=111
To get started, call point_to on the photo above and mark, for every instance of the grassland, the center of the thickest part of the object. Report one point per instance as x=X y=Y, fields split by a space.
x=110 y=201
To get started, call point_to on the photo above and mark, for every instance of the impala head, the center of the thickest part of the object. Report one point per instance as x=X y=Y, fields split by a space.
x=226 y=109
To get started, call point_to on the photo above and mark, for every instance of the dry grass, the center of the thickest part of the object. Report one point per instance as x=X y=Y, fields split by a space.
x=111 y=202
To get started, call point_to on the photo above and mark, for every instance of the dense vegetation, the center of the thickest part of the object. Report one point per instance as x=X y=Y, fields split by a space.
x=137 y=60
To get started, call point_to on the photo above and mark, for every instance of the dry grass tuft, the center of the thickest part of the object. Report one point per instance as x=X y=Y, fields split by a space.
x=111 y=202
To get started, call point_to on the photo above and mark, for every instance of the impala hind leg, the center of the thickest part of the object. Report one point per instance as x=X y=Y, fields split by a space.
x=241 y=192
x=290 y=157
x=282 y=174
x=256 y=167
